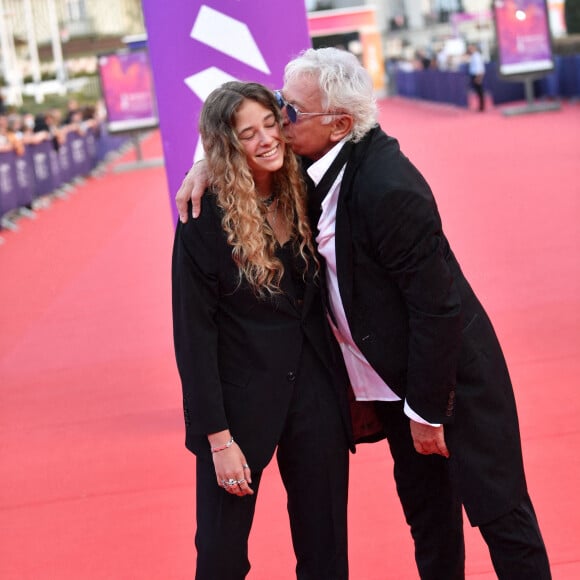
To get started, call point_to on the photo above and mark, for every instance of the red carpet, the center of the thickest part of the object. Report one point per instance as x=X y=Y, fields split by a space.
x=94 y=480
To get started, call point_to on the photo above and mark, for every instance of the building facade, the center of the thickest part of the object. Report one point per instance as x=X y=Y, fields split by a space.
x=76 y=18
x=73 y=31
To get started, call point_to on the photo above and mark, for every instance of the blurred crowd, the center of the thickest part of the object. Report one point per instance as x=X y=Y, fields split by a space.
x=450 y=56
x=18 y=130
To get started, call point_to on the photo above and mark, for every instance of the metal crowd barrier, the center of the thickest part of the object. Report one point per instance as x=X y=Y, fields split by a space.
x=44 y=169
x=452 y=87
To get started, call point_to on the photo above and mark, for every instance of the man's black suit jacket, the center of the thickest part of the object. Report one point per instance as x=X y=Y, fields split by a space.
x=416 y=319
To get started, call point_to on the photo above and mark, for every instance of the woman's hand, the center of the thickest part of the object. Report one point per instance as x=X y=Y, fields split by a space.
x=231 y=470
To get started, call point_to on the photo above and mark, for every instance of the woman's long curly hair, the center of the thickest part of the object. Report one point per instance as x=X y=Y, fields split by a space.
x=244 y=218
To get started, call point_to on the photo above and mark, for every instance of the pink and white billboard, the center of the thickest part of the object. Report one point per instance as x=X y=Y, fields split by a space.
x=195 y=46
x=523 y=37
x=128 y=93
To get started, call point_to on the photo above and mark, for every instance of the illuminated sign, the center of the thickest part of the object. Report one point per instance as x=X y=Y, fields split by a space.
x=523 y=37
x=128 y=93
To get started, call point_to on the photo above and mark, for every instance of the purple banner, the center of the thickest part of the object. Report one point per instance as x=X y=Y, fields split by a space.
x=8 y=185
x=41 y=164
x=78 y=153
x=196 y=46
x=64 y=161
x=24 y=179
x=127 y=86
x=91 y=147
x=55 y=172
x=523 y=36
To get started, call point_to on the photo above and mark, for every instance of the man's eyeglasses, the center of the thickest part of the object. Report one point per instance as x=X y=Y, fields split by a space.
x=294 y=113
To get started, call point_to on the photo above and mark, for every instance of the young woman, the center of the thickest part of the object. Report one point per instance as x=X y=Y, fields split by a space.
x=260 y=372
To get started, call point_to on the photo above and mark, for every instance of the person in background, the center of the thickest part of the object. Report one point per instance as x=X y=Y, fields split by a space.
x=27 y=128
x=48 y=123
x=12 y=137
x=260 y=371
x=72 y=109
x=476 y=69
x=417 y=342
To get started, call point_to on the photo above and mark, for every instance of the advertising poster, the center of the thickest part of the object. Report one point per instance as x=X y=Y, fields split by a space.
x=196 y=46
x=128 y=92
x=523 y=37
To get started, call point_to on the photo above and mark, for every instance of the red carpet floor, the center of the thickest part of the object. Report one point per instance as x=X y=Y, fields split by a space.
x=94 y=480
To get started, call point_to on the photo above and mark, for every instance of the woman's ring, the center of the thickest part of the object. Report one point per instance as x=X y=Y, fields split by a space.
x=246 y=466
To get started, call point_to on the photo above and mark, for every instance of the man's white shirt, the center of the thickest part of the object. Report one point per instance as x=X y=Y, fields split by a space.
x=366 y=384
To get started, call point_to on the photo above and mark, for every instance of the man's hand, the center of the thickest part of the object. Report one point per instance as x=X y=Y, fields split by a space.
x=428 y=440
x=192 y=187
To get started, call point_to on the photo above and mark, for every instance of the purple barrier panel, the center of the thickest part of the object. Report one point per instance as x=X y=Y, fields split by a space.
x=407 y=81
x=40 y=156
x=548 y=86
x=101 y=145
x=422 y=85
x=458 y=83
x=66 y=170
x=569 y=75
x=108 y=143
x=91 y=148
x=502 y=91
x=426 y=84
x=78 y=154
x=24 y=179
x=8 y=187
x=576 y=60
x=441 y=89
x=55 y=170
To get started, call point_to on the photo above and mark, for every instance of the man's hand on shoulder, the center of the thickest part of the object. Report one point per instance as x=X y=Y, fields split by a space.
x=192 y=187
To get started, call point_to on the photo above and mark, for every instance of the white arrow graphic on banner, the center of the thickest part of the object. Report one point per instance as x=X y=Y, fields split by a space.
x=204 y=82
x=229 y=36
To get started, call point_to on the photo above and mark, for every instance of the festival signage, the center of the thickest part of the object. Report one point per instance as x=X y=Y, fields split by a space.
x=523 y=37
x=128 y=93
x=44 y=169
x=196 y=46
x=8 y=188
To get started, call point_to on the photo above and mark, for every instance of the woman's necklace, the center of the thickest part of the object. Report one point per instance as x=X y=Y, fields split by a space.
x=268 y=201
x=270 y=205
x=273 y=212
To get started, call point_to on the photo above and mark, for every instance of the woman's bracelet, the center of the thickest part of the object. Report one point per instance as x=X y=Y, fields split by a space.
x=224 y=446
